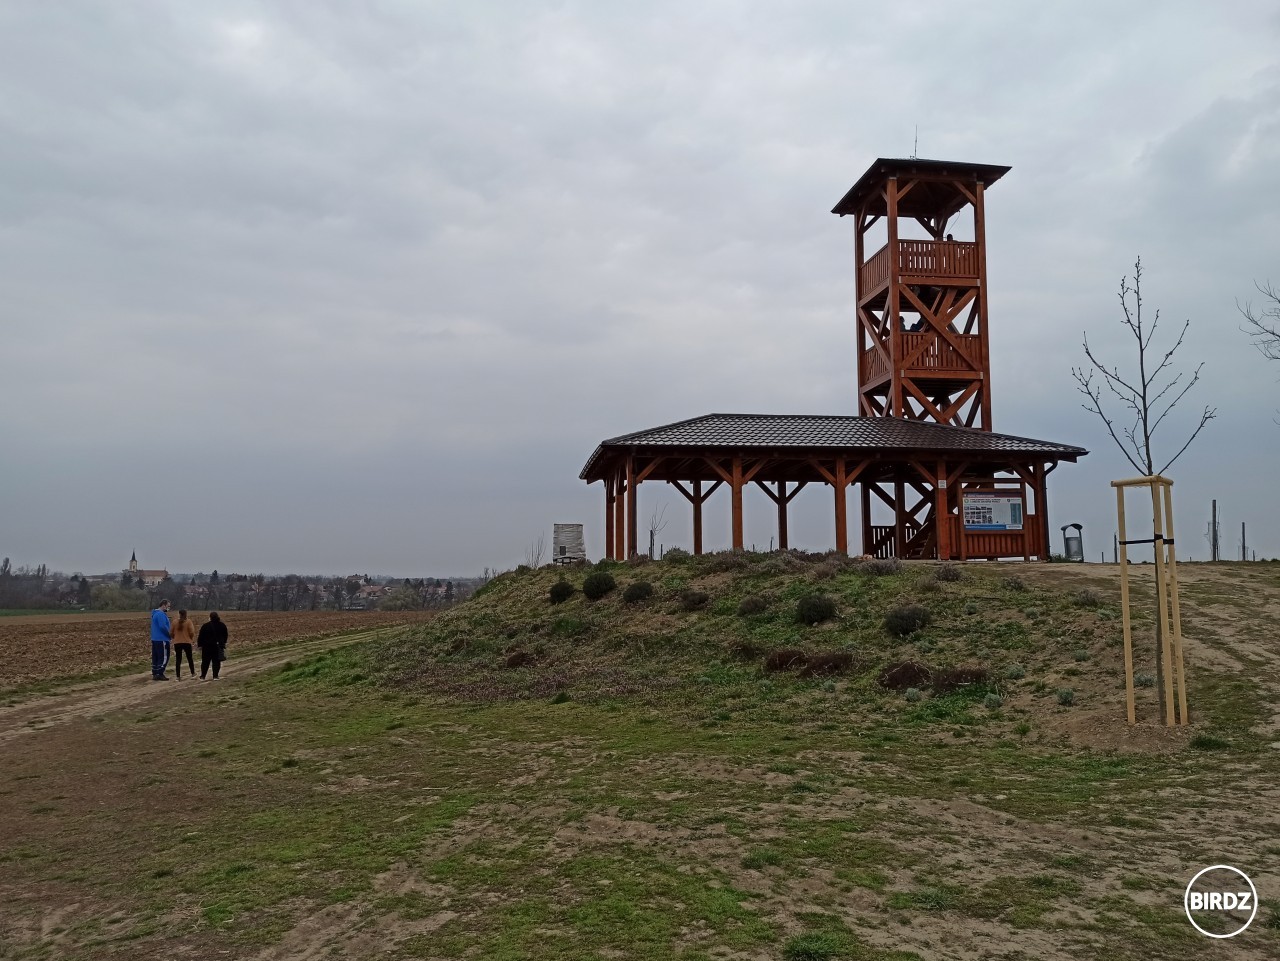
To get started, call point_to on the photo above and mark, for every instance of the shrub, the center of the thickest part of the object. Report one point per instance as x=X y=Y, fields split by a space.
x=1022 y=729
x=825 y=570
x=744 y=651
x=814 y=609
x=639 y=560
x=929 y=586
x=787 y=659
x=1208 y=742
x=721 y=561
x=1087 y=598
x=1015 y=672
x=597 y=584
x=692 y=600
x=913 y=695
x=1144 y=680
x=752 y=604
x=519 y=659
x=560 y=697
x=675 y=555
x=1080 y=654
x=992 y=702
x=971 y=608
x=1066 y=696
x=904 y=674
x=827 y=662
x=637 y=592
x=948 y=572
x=561 y=591
x=906 y=619
x=881 y=566
x=954 y=678
x=1014 y=583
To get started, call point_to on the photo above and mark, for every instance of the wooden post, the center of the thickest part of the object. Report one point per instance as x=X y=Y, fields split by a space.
x=942 y=513
x=865 y=488
x=782 y=515
x=980 y=237
x=1179 y=669
x=894 y=306
x=608 y=517
x=1124 y=606
x=619 y=514
x=697 y=517
x=1162 y=602
x=842 y=523
x=899 y=522
x=633 y=529
x=737 y=503
x=1042 y=509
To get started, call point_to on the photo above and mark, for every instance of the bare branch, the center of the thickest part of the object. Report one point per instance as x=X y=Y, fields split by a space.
x=1263 y=325
x=1207 y=416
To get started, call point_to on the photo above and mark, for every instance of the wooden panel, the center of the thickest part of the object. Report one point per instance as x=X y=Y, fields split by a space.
x=938 y=354
x=997 y=543
x=938 y=258
x=875 y=272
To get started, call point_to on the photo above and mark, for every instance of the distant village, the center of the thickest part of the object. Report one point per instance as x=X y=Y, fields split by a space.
x=134 y=587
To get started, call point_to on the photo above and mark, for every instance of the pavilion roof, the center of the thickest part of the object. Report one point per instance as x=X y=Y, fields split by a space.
x=934 y=196
x=800 y=433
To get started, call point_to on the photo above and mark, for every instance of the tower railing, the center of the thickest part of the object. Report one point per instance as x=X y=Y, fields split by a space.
x=922 y=258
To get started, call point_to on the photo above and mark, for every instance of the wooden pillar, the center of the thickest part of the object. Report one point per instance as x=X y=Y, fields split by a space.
x=1124 y=602
x=980 y=237
x=632 y=527
x=737 y=503
x=782 y=515
x=865 y=487
x=899 y=521
x=1042 y=509
x=619 y=515
x=894 y=306
x=697 y=517
x=842 y=520
x=942 y=513
x=608 y=517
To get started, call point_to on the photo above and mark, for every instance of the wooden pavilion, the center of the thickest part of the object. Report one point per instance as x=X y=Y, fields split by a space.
x=922 y=449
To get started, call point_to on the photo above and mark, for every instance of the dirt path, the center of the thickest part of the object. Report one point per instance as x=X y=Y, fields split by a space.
x=77 y=701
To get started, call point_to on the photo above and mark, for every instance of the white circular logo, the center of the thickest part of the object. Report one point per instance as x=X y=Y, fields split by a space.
x=1221 y=898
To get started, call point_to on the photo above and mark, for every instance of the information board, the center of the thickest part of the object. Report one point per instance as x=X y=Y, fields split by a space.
x=993 y=512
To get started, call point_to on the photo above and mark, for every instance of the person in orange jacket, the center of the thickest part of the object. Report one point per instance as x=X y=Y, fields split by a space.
x=184 y=635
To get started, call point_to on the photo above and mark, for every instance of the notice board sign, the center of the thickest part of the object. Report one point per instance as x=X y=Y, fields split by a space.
x=993 y=512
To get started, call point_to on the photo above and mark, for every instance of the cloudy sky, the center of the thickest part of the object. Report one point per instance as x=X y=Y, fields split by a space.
x=329 y=287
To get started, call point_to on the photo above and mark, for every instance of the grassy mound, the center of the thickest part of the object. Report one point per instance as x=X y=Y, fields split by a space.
x=744 y=641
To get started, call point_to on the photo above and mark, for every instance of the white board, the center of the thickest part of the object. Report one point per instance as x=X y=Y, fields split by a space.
x=993 y=512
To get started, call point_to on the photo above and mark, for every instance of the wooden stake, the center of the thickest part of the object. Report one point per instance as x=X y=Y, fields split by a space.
x=1162 y=602
x=1179 y=668
x=1124 y=606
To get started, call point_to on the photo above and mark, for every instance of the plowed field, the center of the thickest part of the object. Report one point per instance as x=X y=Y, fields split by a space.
x=48 y=647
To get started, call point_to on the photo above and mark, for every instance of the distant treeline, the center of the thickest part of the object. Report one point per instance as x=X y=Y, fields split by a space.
x=38 y=588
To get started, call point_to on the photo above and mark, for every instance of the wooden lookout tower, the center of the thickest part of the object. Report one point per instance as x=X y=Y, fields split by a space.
x=922 y=295
x=922 y=444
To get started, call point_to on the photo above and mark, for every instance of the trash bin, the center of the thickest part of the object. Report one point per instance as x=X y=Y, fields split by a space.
x=1073 y=543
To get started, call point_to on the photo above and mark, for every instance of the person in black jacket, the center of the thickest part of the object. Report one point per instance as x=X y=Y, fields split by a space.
x=212 y=642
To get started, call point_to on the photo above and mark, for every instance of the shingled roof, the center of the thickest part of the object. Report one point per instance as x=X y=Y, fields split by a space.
x=800 y=432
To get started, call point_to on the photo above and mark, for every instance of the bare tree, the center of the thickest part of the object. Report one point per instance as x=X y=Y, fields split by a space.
x=657 y=521
x=1143 y=393
x=533 y=554
x=1263 y=323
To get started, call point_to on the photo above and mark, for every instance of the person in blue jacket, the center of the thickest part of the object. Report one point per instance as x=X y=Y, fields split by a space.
x=161 y=634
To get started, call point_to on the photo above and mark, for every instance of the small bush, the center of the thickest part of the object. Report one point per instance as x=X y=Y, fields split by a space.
x=518 y=659
x=929 y=586
x=1066 y=696
x=763 y=857
x=814 y=609
x=787 y=659
x=913 y=695
x=751 y=605
x=1015 y=672
x=561 y=697
x=1087 y=598
x=1080 y=654
x=882 y=566
x=722 y=561
x=675 y=555
x=954 y=678
x=637 y=592
x=904 y=674
x=906 y=619
x=744 y=651
x=1022 y=729
x=598 y=584
x=971 y=608
x=692 y=600
x=992 y=702
x=639 y=560
x=827 y=662
x=1144 y=680
x=1014 y=583
x=948 y=572
x=561 y=591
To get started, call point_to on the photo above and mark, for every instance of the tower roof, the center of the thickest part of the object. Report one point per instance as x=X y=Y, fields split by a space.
x=934 y=194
